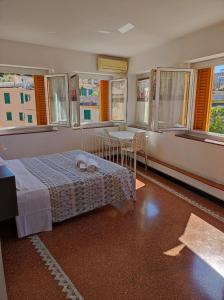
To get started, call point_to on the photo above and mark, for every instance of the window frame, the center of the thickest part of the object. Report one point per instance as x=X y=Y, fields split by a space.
x=76 y=88
x=16 y=69
x=99 y=124
x=196 y=66
x=155 y=115
x=9 y=113
x=146 y=76
x=67 y=123
x=7 y=99
x=125 y=101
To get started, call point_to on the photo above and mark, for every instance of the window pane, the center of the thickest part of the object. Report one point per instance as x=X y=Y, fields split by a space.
x=173 y=99
x=57 y=99
x=7 y=98
x=89 y=100
x=30 y=118
x=217 y=109
x=8 y=116
x=21 y=116
x=21 y=98
x=142 y=105
x=118 y=100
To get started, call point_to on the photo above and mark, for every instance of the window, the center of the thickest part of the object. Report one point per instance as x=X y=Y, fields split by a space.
x=57 y=99
x=27 y=97
x=209 y=102
x=30 y=118
x=21 y=98
x=21 y=116
x=87 y=114
x=118 y=99
x=142 y=104
x=16 y=89
x=9 y=116
x=164 y=100
x=7 y=98
x=96 y=99
x=49 y=100
x=89 y=98
x=172 y=98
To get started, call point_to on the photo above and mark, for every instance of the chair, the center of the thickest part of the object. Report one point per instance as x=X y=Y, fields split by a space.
x=138 y=144
x=122 y=127
x=111 y=147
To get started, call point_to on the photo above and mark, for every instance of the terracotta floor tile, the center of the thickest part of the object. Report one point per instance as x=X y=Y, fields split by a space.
x=111 y=255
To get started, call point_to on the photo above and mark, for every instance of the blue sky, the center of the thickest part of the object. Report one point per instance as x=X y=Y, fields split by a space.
x=219 y=68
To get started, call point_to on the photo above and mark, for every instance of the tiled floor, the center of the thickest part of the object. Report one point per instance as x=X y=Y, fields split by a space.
x=164 y=249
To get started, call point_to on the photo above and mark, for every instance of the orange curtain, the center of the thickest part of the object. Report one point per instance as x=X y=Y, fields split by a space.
x=40 y=100
x=203 y=99
x=104 y=100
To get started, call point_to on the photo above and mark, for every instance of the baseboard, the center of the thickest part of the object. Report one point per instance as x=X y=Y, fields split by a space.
x=191 y=181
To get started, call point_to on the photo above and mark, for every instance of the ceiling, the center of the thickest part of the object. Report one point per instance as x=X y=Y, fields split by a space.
x=74 y=24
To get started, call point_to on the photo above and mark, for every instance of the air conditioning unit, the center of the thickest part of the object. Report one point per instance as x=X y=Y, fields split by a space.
x=112 y=64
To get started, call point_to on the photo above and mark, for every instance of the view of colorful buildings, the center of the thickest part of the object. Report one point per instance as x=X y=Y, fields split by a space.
x=17 y=100
x=89 y=100
x=218 y=87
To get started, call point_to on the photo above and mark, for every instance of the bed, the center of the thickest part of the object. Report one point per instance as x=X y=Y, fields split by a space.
x=51 y=189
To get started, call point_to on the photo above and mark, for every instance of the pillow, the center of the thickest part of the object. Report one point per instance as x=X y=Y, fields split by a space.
x=2 y=161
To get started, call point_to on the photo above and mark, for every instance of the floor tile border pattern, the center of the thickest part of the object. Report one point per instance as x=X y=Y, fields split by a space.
x=56 y=271
x=185 y=198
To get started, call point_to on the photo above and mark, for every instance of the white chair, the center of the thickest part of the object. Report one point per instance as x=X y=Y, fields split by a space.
x=138 y=144
x=111 y=146
x=122 y=127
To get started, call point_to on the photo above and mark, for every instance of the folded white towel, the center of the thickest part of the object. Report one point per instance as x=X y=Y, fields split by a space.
x=81 y=161
x=84 y=163
x=92 y=165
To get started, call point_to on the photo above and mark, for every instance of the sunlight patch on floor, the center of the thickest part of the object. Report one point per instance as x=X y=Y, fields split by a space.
x=175 y=251
x=139 y=184
x=205 y=241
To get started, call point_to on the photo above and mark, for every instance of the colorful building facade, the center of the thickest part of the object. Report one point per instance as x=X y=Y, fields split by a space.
x=17 y=103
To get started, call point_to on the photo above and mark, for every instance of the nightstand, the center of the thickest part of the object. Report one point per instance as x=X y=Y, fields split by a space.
x=8 y=199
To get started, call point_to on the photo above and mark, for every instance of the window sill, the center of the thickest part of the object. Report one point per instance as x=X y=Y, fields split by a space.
x=27 y=130
x=203 y=137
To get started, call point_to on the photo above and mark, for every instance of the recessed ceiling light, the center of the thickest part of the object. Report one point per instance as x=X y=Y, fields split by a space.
x=104 y=31
x=127 y=27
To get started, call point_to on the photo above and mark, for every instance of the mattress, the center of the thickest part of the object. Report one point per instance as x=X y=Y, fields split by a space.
x=52 y=189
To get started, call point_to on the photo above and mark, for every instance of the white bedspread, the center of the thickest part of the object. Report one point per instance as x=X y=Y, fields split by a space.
x=33 y=201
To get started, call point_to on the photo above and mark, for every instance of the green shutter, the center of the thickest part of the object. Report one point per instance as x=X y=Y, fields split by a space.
x=30 y=118
x=26 y=97
x=9 y=116
x=87 y=114
x=21 y=116
x=21 y=98
x=7 y=98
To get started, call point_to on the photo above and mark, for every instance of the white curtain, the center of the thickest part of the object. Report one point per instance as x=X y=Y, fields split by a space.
x=173 y=99
x=118 y=100
x=57 y=99
x=142 y=103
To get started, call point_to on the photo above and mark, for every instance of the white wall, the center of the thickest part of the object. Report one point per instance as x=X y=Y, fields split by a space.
x=200 y=158
x=202 y=43
x=60 y=60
